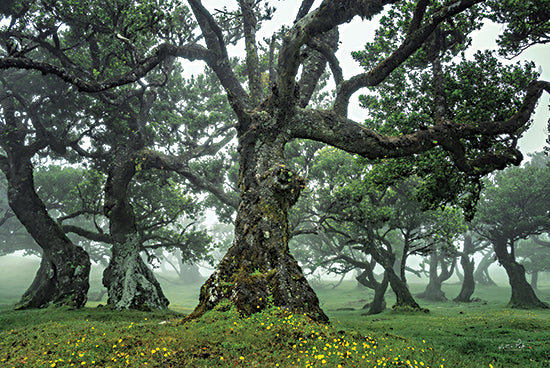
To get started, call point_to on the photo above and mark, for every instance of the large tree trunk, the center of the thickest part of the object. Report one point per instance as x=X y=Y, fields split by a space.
x=523 y=295
x=403 y=261
x=258 y=269
x=129 y=281
x=405 y=300
x=433 y=290
x=63 y=276
x=467 y=263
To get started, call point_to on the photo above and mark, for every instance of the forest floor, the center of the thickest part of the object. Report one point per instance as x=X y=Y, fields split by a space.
x=479 y=334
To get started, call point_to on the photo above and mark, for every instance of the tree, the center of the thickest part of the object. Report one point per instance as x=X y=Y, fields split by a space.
x=364 y=224
x=440 y=268
x=472 y=245
x=259 y=269
x=25 y=129
x=481 y=274
x=526 y=24
x=533 y=253
x=514 y=206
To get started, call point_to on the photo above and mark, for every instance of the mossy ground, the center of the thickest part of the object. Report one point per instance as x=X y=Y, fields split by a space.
x=480 y=334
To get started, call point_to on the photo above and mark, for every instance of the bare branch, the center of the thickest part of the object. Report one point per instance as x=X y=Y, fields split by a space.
x=90 y=235
x=304 y=9
x=252 y=61
x=238 y=98
x=190 y=52
x=76 y=214
x=330 y=14
x=419 y=12
x=157 y=160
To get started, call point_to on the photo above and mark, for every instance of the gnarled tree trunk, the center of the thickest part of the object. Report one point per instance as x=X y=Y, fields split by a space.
x=63 y=276
x=535 y=279
x=378 y=303
x=404 y=298
x=130 y=283
x=523 y=295
x=258 y=269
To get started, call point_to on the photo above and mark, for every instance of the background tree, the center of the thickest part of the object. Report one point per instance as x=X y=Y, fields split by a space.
x=533 y=253
x=514 y=206
x=481 y=274
x=472 y=244
x=526 y=24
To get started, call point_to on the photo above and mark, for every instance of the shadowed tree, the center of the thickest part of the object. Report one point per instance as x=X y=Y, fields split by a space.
x=30 y=107
x=125 y=127
x=481 y=274
x=258 y=268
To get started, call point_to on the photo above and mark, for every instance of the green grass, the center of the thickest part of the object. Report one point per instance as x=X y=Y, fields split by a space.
x=486 y=332
x=480 y=334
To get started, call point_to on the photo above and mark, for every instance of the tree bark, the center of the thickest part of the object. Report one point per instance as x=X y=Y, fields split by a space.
x=258 y=270
x=433 y=290
x=467 y=263
x=403 y=261
x=405 y=300
x=523 y=295
x=130 y=283
x=63 y=275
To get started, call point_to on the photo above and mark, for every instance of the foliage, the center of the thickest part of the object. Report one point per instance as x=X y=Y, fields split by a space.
x=515 y=204
x=526 y=24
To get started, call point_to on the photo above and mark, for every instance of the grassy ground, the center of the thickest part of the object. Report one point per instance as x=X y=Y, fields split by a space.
x=480 y=334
